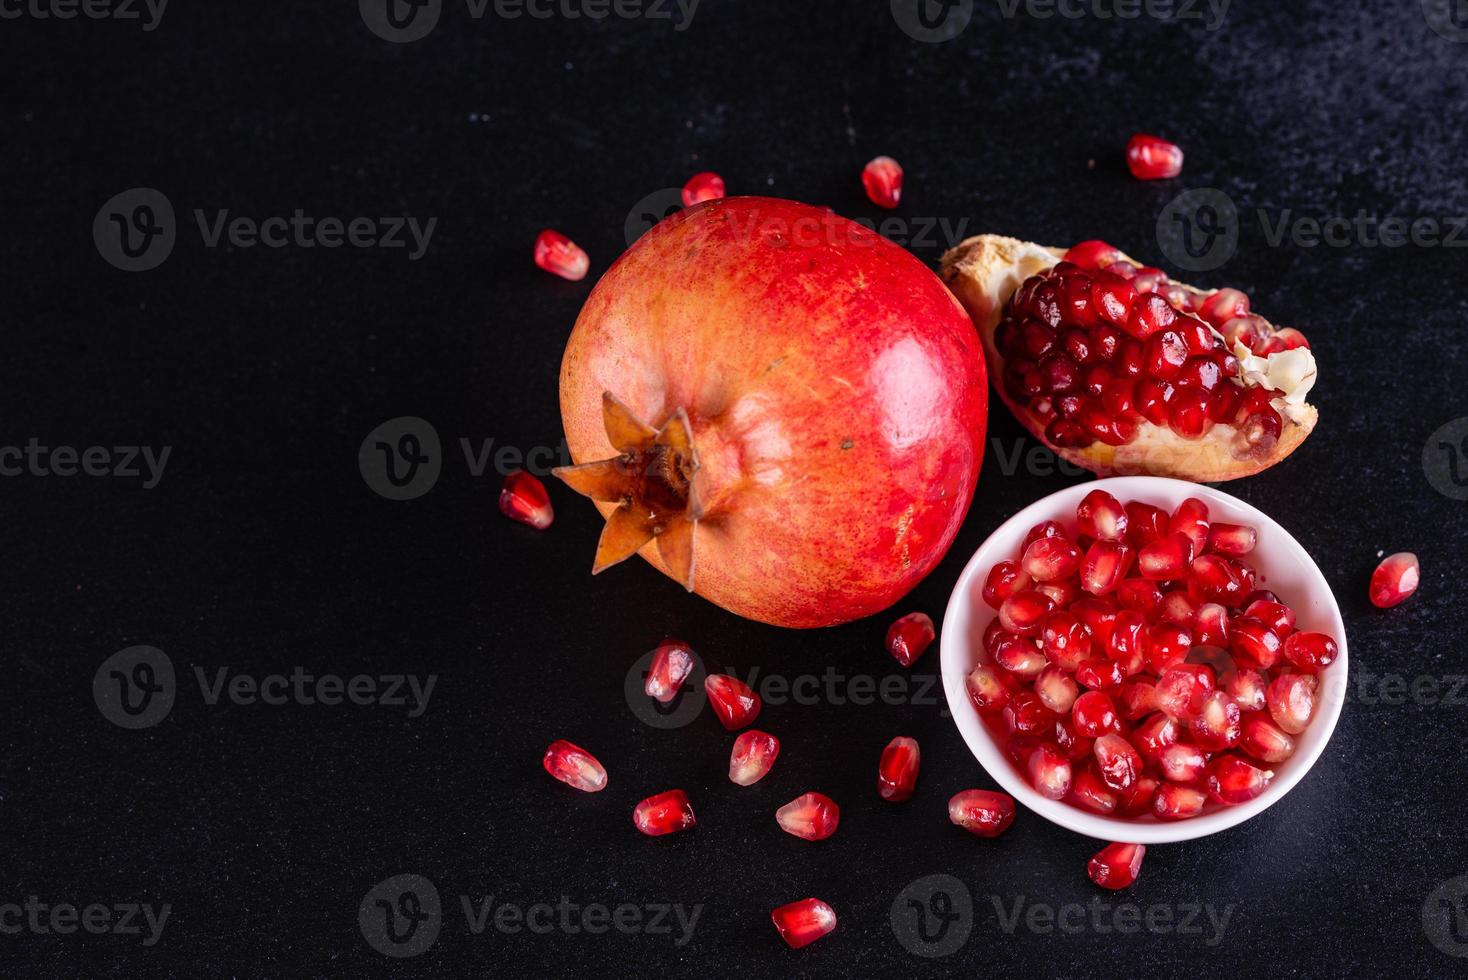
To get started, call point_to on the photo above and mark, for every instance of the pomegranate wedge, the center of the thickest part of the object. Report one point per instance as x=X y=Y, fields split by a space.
x=1121 y=370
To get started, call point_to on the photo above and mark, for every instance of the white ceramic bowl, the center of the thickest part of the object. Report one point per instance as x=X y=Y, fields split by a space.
x=1283 y=567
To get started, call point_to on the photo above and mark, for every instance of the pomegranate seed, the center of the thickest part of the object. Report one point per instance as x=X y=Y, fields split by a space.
x=1265 y=740
x=1291 y=700
x=909 y=636
x=1065 y=641
x=1056 y=689
x=1257 y=435
x=1223 y=306
x=1310 y=651
x=1019 y=656
x=1276 y=615
x=1215 y=579
x=754 y=753
x=574 y=766
x=1022 y=612
x=557 y=254
x=1155 y=734
x=981 y=812
x=1095 y=714
x=1089 y=790
x=1167 y=558
x=1061 y=593
x=1177 y=608
x=1145 y=524
x=1232 y=780
x=1254 y=643
x=1165 y=353
x=1138 y=800
x=1101 y=516
x=811 y=816
x=664 y=813
x=1073 y=745
x=986 y=690
x=1394 y=580
x=707 y=186
x=1112 y=298
x=1097 y=615
x=1105 y=566
x=1138 y=595
x=523 y=498
x=733 y=701
x=897 y=772
x=1117 y=866
x=1152 y=158
x=1191 y=518
x=1127 y=636
x=1234 y=540
x=1049 y=772
x=1167 y=644
x=1004 y=580
x=1217 y=726
x=1210 y=625
x=1174 y=801
x=1137 y=699
x=1182 y=762
x=1182 y=688
x=1151 y=314
x=1246 y=687
x=672 y=662
x=1049 y=559
x=802 y=923
x=1100 y=674
x=1289 y=339
x=1025 y=714
x=882 y=179
x=1118 y=761
x=1044 y=529
x=1092 y=255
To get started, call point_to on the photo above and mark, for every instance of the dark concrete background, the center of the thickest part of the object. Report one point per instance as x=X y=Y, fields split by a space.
x=261 y=548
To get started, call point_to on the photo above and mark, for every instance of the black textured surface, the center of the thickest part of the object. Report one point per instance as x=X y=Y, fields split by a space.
x=261 y=548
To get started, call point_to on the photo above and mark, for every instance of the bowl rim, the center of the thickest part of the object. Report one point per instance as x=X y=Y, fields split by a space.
x=955 y=658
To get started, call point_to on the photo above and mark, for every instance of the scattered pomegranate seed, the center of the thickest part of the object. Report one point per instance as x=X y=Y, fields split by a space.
x=986 y=690
x=1232 y=780
x=707 y=186
x=981 y=812
x=1265 y=740
x=882 y=179
x=802 y=923
x=1118 y=762
x=1116 y=866
x=1151 y=158
x=1310 y=651
x=664 y=813
x=574 y=766
x=1049 y=772
x=753 y=755
x=1174 y=801
x=672 y=662
x=523 y=498
x=1291 y=700
x=897 y=772
x=1394 y=580
x=558 y=255
x=1234 y=540
x=810 y=816
x=733 y=701
x=909 y=637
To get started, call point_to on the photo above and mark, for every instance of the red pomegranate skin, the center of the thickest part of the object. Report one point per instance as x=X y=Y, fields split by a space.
x=835 y=391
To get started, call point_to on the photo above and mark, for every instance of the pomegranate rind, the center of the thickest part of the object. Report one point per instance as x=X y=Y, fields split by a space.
x=984 y=272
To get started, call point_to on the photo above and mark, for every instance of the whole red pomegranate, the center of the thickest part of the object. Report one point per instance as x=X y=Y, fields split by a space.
x=776 y=407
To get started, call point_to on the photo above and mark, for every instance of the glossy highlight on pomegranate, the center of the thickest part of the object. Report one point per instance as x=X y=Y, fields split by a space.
x=776 y=407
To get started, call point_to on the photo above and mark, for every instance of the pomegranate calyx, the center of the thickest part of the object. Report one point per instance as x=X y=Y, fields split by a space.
x=652 y=479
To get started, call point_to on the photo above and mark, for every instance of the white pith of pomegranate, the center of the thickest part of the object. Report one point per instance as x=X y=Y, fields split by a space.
x=1121 y=370
x=1171 y=694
